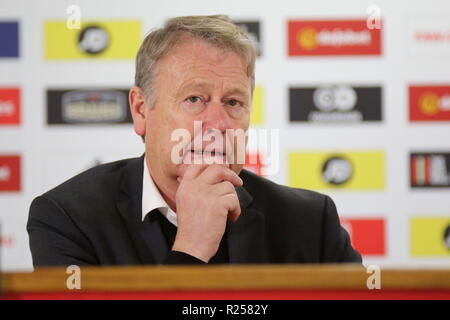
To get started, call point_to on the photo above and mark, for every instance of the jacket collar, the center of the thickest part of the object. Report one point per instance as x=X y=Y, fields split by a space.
x=146 y=236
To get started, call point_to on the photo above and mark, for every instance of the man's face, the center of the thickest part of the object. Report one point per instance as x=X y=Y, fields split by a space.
x=195 y=81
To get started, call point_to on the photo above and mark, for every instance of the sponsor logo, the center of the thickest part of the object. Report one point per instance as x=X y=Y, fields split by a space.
x=349 y=170
x=337 y=103
x=257 y=115
x=93 y=106
x=367 y=235
x=337 y=170
x=93 y=40
x=112 y=39
x=429 y=37
x=429 y=103
x=430 y=236
x=332 y=37
x=9 y=106
x=9 y=173
x=87 y=106
x=430 y=170
x=252 y=29
x=9 y=39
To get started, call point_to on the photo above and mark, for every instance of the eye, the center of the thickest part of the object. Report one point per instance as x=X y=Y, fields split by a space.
x=233 y=102
x=194 y=104
x=194 y=99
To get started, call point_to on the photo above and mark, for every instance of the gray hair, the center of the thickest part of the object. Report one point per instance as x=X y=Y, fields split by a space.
x=217 y=30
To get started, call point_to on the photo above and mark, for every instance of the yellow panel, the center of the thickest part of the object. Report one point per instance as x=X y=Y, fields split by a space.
x=62 y=43
x=257 y=117
x=305 y=170
x=427 y=236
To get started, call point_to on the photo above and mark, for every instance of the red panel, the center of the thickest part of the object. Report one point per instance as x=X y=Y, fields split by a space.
x=367 y=235
x=9 y=173
x=429 y=103
x=305 y=38
x=9 y=106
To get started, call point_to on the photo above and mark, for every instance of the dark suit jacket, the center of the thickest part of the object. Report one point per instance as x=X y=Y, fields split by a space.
x=95 y=219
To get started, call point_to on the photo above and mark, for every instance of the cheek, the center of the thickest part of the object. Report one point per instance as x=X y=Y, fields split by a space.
x=242 y=121
x=157 y=137
x=245 y=123
x=161 y=131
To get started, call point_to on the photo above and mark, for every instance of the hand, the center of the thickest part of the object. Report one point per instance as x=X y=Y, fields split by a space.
x=205 y=199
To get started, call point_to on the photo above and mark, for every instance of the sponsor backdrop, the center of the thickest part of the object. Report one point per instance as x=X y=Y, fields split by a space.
x=359 y=92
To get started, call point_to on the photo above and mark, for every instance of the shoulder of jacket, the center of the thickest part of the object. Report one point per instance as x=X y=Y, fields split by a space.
x=99 y=179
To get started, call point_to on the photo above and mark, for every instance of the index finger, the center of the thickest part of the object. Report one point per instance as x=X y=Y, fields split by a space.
x=194 y=170
x=218 y=173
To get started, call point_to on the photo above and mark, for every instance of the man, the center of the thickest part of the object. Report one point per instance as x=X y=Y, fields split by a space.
x=163 y=209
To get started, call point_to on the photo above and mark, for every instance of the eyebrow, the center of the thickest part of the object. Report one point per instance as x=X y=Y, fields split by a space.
x=237 y=91
x=193 y=85
x=201 y=85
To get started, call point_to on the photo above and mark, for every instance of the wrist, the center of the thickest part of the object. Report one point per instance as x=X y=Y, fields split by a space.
x=181 y=246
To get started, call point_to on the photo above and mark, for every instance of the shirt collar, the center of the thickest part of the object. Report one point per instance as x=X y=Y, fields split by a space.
x=152 y=198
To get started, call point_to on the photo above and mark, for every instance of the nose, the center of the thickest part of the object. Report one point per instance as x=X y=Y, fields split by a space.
x=215 y=117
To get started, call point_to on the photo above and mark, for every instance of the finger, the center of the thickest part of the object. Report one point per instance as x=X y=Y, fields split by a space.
x=231 y=203
x=223 y=188
x=194 y=170
x=218 y=173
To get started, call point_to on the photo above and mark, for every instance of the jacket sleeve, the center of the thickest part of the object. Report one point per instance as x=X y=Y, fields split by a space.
x=177 y=257
x=55 y=240
x=336 y=244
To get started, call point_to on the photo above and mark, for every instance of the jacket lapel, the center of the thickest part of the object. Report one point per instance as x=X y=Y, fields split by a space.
x=146 y=236
x=246 y=236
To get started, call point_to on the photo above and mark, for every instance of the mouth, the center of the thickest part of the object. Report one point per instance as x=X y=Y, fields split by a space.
x=208 y=153
x=204 y=157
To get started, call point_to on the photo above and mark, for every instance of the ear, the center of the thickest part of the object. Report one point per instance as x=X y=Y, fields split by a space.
x=138 y=108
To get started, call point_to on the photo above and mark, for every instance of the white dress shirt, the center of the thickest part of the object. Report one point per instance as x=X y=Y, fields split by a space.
x=152 y=198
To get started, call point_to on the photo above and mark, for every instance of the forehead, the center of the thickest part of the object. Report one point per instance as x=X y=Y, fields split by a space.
x=192 y=57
